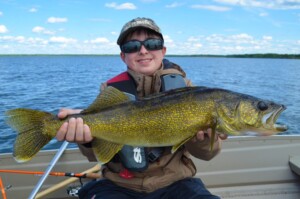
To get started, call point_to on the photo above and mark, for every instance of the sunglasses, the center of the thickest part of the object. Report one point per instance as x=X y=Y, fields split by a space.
x=133 y=46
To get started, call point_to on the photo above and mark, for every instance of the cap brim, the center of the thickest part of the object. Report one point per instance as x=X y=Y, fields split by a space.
x=129 y=30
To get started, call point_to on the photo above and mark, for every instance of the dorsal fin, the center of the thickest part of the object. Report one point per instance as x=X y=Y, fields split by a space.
x=176 y=91
x=110 y=96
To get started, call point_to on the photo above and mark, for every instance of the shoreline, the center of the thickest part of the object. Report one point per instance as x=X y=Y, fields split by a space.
x=256 y=55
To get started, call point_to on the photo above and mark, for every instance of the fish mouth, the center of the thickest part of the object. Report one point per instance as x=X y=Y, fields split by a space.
x=269 y=120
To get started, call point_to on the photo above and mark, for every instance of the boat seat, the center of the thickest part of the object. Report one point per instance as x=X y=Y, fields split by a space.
x=295 y=164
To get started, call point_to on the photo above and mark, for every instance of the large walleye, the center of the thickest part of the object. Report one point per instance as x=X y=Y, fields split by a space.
x=167 y=119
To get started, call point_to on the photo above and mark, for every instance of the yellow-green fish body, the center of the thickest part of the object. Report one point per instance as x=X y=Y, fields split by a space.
x=167 y=119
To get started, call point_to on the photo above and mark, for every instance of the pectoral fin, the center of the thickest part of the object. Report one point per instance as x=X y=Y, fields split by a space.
x=227 y=119
x=105 y=150
x=213 y=134
x=212 y=138
x=177 y=146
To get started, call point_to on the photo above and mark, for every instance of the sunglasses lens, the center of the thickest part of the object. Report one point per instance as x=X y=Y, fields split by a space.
x=131 y=47
x=135 y=46
x=153 y=44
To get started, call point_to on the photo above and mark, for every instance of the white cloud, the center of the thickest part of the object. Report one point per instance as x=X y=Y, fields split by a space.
x=123 y=6
x=168 y=39
x=38 y=29
x=99 y=40
x=3 y=29
x=263 y=14
x=1 y=13
x=174 y=5
x=148 y=1
x=222 y=43
x=216 y=38
x=197 y=45
x=240 y=48
x=231 y=39
x=42 y=30
x=56 y=20
x=36 y=41
x=4 y=46
x=211 y=7
x=267 y=38
x=242 y=37
x=33 y=40
x=63 y=40
x=257 y=47
x=233 y=2
x=19 y=39
x=5 y=38
x=233 y=44
x=33 y=10
x=192 y=39
x=274 y=4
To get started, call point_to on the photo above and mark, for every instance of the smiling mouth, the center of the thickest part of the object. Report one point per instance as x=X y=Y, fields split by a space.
x=271 y=118
x=144 y=60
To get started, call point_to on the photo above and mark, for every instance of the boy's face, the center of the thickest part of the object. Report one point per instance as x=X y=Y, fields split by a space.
x=144 y=61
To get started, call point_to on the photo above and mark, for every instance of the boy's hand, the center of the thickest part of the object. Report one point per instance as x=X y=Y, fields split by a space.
x=73 y=130
x=201 y=135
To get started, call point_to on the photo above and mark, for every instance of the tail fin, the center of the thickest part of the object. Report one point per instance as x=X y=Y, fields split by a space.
x=30 y=125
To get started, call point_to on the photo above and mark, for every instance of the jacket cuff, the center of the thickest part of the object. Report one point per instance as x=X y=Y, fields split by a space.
x=87 y=145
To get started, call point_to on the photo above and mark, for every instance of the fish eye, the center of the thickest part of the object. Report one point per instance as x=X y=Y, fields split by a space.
x=262 y=106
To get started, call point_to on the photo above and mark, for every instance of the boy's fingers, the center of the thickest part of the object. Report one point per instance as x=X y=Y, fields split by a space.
x=61 y=133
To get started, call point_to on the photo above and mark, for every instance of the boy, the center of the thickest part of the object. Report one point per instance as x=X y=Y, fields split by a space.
x=158 y=173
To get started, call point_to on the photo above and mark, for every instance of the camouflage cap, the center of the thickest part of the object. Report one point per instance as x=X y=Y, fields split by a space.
x=136 y=23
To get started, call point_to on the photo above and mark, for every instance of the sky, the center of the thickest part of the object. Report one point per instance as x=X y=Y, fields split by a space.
x=216 y=27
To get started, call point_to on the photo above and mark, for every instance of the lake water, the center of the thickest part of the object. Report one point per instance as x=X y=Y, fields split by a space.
x=50 y=82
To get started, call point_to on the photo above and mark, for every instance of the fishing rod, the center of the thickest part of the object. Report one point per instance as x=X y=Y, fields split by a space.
x=48 y=170
x=67 y=174
x=2 y=189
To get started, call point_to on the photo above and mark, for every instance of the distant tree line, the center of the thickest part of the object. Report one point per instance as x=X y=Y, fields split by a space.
x=268 y=55
x=265 y=55
x=256 y=55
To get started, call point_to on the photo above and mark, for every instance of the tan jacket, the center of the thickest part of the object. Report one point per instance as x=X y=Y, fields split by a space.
x=170 y=167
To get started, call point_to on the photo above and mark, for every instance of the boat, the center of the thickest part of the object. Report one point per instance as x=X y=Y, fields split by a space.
x=247 y=167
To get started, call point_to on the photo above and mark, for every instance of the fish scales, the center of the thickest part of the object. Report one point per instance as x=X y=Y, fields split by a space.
x=167 y=119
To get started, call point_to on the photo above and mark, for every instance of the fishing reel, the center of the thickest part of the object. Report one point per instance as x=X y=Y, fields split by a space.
x=73 y=190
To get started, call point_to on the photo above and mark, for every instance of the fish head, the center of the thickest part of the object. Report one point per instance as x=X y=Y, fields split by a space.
x=241 y=114
x=260 y=116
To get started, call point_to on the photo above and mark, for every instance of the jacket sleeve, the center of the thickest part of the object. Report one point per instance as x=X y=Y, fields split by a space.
x=87 y=151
